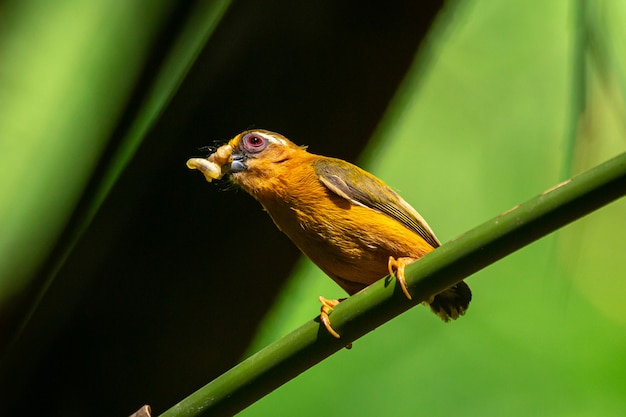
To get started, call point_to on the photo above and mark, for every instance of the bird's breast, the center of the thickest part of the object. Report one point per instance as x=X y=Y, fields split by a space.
x=350 y=243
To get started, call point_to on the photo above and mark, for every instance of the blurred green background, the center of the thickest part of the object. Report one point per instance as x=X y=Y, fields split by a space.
x=125 y=279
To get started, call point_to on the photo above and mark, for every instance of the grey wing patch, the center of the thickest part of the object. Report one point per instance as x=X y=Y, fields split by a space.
x=372 y=193
x=338 y=186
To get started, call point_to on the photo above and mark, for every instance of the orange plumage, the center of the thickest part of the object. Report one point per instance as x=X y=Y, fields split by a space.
x=348 y=222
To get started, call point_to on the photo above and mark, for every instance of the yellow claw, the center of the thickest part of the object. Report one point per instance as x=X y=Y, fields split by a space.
x=325 y=310
x=398 y=265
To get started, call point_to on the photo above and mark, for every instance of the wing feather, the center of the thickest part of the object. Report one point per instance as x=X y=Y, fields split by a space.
x=363 y=189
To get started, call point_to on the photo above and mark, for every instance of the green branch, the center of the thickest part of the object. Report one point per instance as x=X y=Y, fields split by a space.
x=283 y=360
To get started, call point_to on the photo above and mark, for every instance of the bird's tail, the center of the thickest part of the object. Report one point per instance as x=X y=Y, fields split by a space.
x=452 y=303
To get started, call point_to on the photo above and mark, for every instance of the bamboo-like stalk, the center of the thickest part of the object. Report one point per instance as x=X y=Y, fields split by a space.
x=286 y=358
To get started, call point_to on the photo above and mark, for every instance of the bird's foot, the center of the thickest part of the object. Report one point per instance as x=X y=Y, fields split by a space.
x=396 y=267
x=325 y=310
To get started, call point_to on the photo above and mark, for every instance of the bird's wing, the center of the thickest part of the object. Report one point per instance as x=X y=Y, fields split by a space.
x=363 y=189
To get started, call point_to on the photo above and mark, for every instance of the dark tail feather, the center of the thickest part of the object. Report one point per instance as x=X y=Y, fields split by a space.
x=452 y=303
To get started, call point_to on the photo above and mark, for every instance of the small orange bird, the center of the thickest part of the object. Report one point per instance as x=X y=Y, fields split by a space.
x=348 y=222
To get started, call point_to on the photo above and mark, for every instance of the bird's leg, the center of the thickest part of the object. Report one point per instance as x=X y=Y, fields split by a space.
x=398 y=265
x=327 y=307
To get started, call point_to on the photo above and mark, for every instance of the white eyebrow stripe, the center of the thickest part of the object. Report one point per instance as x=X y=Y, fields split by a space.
x=273 y=139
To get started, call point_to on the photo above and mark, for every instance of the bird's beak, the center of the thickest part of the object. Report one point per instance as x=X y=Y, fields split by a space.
x=227 y=159
x=237 y=163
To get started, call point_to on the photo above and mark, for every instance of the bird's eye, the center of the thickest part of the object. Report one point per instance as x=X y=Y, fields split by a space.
x=254 y=143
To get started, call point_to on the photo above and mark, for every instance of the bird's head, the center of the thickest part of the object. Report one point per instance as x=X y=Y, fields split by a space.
x=251 y=157
x=259 y=152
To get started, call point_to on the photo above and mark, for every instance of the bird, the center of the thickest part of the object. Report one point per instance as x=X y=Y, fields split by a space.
x=347 y=221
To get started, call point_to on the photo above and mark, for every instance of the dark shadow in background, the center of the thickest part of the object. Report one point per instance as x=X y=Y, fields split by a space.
x=181 y=271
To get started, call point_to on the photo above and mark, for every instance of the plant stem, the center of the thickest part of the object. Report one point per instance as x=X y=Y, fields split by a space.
x=286 y=358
